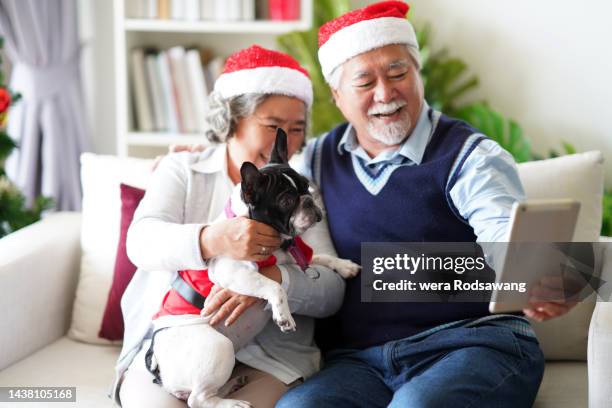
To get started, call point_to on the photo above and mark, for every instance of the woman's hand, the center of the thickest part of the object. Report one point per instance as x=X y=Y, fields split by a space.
x=227 y=303
x=239 y=238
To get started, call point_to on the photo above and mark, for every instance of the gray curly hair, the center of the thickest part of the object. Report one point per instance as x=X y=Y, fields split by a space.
x=223 y=114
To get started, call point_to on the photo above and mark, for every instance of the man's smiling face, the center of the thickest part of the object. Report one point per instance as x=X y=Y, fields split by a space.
x=380 y=93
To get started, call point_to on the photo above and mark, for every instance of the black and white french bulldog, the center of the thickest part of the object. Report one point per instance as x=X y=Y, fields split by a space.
x=195 y=361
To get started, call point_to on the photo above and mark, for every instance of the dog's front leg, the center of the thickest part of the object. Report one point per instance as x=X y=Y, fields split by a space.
x=244 y=278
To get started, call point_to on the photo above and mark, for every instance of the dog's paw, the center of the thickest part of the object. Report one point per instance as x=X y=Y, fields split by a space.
x=284 y=321
x=345 y=268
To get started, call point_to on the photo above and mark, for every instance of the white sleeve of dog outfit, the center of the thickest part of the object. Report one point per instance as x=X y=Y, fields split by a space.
x=158 y=239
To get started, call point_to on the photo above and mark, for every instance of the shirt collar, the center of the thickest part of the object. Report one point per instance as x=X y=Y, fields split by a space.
x=212 y=160
x=413 y=148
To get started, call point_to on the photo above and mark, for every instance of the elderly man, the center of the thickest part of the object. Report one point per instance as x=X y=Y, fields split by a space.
x=400 y=171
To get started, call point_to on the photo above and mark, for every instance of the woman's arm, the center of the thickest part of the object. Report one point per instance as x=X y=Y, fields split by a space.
x=158 y=239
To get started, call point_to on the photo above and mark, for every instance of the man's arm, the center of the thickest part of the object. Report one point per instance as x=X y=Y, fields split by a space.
x=487 y=186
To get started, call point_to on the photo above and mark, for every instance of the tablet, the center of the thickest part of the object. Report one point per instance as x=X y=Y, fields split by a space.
x=532 y=221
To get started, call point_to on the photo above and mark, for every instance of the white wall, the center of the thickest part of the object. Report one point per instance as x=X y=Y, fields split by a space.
x=545 y=63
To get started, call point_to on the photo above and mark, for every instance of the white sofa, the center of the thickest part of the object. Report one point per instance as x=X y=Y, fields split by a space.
x=39 y=272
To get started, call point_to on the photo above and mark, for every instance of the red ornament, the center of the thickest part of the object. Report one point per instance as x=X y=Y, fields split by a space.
x=5 y=100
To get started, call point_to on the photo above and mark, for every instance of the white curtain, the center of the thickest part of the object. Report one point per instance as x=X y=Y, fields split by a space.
x=48 y=123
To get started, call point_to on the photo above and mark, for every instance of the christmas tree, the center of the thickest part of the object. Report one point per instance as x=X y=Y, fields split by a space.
x=13 y=211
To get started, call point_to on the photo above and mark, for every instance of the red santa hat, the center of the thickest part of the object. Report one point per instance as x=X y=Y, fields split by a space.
x=363 y=30
x=259 y=70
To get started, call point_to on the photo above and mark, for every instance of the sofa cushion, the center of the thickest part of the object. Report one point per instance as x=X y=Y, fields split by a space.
x=581 y=177
x=67 y=363
x=578 y=176
x=112 y=321
x=100 y=178
x=565 y=385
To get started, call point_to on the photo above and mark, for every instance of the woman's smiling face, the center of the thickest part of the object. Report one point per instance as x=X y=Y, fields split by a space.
x=255 y=134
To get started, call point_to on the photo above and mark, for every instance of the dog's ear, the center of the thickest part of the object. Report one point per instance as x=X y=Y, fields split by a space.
x=279 y=151
x=250 y=177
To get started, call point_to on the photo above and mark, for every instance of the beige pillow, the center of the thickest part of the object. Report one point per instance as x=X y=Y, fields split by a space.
x=581 y=177
x=100 y=178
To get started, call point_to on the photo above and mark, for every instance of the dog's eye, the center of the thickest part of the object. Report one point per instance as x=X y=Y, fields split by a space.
x=287 y=201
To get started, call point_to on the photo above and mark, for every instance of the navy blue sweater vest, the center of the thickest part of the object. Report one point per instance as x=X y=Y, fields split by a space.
x=413 y=206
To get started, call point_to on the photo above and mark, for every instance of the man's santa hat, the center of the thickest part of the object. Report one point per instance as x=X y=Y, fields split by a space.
x=259 y=70
x=363 y=30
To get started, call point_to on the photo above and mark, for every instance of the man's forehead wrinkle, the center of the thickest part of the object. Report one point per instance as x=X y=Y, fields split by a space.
x=399 y=63
x=362 y=71
x=361 y=74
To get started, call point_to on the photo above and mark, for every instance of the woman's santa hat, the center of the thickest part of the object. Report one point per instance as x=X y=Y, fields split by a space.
x=259 y=70
x=363 y=30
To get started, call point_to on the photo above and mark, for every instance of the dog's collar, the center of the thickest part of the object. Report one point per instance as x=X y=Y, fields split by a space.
x=296 y=252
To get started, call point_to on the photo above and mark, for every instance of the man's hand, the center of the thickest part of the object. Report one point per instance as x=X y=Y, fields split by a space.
x=552 y=297
x=239 y=238
x=231 y=305
x=175 y=148
x=542 y=311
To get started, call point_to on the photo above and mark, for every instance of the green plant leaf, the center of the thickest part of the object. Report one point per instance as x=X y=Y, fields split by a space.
x=504 y=131
x=569 y=148
x=6 y=145
x=606 y=225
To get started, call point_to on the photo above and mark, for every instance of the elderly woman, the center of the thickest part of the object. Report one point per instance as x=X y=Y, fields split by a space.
x=259 y=91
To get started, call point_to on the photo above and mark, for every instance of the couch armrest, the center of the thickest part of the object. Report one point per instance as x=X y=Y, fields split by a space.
x=600 y=340
x=39 y=268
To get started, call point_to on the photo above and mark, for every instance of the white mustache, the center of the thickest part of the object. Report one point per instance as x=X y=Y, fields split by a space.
x=386 y=108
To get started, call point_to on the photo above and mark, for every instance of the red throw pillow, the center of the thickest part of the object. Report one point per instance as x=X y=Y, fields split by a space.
x=112 y=322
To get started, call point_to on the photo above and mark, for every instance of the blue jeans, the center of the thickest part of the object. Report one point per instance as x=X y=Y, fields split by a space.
x=484 y=366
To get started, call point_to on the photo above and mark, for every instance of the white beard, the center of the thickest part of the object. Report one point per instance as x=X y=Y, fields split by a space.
x=391 y=134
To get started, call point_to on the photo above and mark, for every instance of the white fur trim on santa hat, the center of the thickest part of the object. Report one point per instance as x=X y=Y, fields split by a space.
x=362 y=37
x=265 y=80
